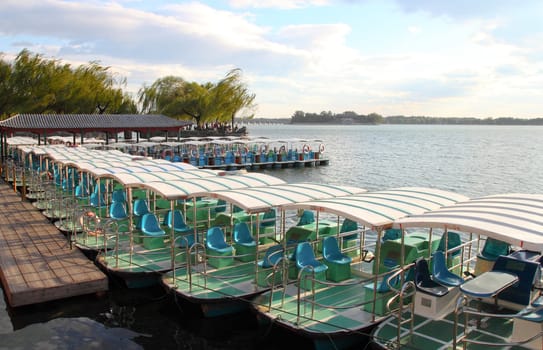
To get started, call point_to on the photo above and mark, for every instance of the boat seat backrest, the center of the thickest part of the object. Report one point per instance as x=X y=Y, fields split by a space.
x=494 y=248
x=424 y=281
x=272 y=255
x=140 y=207
x=349 y=226
x=331 y=251
x=117 y=210
x=95 y=202
x=391 y=234
x=306 y=218
x=221 y=206
x=268 y=219
x=215 y=238
x=150 y=223
x=175 y=220
x=384 y=285
x=81 y=190
x=305 y=255
x=527 y=271
x=118 y=196
x=453 y=240
x=101 y=188
x=441 y=272
x=242 y=234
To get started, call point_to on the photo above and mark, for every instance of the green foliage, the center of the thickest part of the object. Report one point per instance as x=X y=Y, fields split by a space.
x=348 y=117
x=33 y=84
x=203 y=103
x=374 y=118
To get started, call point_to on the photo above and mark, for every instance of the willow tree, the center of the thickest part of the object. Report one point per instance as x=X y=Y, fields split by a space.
x=232 y=96
x=7 y=94
x=202 y=103
x=163 y=92
x=34 y=84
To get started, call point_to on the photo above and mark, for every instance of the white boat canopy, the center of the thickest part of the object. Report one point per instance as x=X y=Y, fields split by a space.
x=87 y=165
x=513 y=218
x=104 y=172
x=261 y=199
x=181 y=189
x=140 y=178
x=379 y=209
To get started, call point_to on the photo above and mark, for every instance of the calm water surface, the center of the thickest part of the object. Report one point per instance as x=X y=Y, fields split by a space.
x=472 y=160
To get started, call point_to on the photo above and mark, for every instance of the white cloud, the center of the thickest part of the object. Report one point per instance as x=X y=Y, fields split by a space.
x=423 y=58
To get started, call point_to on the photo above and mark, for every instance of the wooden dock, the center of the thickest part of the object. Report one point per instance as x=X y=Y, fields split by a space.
x=36 y=262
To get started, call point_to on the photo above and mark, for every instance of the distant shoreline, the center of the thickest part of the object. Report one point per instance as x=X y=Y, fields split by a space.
x=406 y=121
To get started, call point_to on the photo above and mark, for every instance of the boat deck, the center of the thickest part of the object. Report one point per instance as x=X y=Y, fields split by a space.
x=36 y=262
x=439 y=334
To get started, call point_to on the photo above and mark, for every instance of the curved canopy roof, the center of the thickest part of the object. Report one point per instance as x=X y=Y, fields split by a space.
x=515 y=218
x=137 y=179
x=381 y=208
x=130 y=165
x=110 y=171
x=261 y=199
x=182 y=189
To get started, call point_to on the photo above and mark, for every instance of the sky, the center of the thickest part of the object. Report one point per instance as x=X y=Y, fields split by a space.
x=461 y=58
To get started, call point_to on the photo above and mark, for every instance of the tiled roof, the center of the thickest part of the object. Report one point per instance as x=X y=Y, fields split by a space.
x=91 y=121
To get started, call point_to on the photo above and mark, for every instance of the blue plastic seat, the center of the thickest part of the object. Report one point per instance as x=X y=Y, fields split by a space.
x=307 y=217
x=244 y=243
x=268 y=219
x=339 y=264
x=101 y=188
x=81 y=190
x=150 y=225
x=139 y=210
x=391 y=234
x=349 y=225
x=177 y=222
x=494 y=248
x=272 y=255
x=221 y=206
x=153 y=234
x=117 y=211
x=220 y=252
x=424 y=281
x=118 y=196
x=182 y=231
x=95 y=202
x=309 y=265
x=305 y=257
x=440 y=272
x=453 y=240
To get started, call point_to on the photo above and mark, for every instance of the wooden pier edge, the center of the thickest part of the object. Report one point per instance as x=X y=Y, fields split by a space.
x=36 y=261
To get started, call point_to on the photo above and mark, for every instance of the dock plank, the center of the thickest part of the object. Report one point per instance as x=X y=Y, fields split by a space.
x=36 y=262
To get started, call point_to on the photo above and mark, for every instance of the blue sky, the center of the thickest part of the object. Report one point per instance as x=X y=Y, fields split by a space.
x=462 y=58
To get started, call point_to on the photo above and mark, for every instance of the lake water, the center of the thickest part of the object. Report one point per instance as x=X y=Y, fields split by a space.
x=471 y=160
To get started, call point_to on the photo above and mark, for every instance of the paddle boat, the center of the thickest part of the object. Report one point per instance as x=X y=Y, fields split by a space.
x=331 y=289
x=487 y=293
x=229 y=267
x=158 y=236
